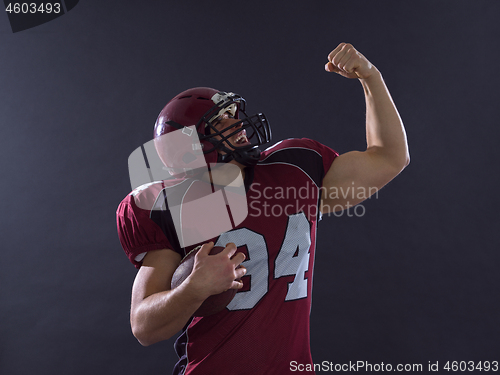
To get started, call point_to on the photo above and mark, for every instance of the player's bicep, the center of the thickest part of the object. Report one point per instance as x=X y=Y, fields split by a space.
x=155 y=274
x=354 y=177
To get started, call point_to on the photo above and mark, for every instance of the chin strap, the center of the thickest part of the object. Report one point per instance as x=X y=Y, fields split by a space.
x=248 y=157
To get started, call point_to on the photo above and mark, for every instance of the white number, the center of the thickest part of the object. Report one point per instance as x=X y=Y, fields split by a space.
x=256 y=264
x=9 y=8
x=292 y=259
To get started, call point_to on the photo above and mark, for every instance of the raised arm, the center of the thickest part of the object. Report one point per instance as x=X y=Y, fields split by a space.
x=386 y=154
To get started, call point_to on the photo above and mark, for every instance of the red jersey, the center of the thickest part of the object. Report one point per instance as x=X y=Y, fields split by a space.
x=266 y=326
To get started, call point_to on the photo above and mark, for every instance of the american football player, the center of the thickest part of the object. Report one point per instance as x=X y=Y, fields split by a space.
x=265 y=327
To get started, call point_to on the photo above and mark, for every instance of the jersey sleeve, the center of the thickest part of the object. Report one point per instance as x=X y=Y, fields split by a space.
x=138 y=234
x=298 y=151
x=328 y=155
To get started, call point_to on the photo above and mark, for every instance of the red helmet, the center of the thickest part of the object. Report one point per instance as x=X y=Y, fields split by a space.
x=182 y=131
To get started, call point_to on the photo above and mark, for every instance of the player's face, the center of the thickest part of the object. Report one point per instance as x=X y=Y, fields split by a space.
x=224 y=122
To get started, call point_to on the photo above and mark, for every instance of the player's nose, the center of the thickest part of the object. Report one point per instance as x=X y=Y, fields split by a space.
x=230 y=124
x=238 y=125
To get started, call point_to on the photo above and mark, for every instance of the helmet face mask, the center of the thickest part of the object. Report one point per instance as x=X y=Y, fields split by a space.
x=256 y=129
x=203 y=107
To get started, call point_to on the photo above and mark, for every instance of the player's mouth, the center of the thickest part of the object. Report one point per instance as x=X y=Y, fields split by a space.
x=241 y=139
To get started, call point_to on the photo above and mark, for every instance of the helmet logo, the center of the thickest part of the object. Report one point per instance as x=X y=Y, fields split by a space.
x=222 y=98
x=187 y=131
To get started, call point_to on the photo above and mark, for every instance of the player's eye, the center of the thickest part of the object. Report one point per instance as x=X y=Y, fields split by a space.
x=219 y=119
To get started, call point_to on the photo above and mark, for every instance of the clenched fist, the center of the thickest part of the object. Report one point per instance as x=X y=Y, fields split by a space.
x=348 y=62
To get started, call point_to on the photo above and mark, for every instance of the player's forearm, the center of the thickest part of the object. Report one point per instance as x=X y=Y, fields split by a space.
x=161 y=315
x=385 y=133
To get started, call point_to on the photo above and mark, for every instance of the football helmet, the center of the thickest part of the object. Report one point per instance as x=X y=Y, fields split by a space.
x=197 y=110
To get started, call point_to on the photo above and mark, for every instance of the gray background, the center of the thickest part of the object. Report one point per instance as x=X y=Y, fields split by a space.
x=414 y=280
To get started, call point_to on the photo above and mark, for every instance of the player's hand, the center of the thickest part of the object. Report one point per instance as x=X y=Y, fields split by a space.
x=348 y=62
x=214 y=274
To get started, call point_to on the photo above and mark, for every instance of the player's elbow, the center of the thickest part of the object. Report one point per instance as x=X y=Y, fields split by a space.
x=145 y=338
x=144 y=341
x=392 y=168
x=406 y=160
x=397 y=163
x=143 y=332
x=148 y=334
x=401 y=164
x=140 y=334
